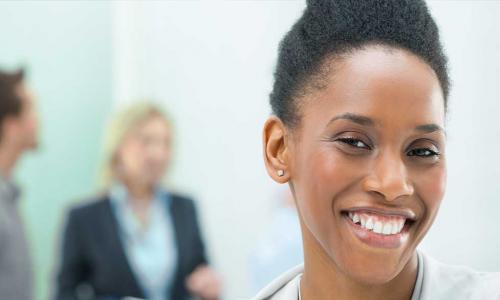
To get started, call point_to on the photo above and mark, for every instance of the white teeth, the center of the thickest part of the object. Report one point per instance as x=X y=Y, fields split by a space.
x=387 y=229
x=363 y=221
x=401 y=225
x=395 y=228
x=369 y=224
x=356 y=218
x=377 y=228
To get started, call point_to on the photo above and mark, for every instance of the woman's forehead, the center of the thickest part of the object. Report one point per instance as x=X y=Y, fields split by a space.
x=386 y=86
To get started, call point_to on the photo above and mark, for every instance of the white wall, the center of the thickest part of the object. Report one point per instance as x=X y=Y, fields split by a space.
x=210 y=64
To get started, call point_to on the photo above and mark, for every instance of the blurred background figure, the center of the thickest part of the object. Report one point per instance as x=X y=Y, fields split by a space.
x=280 y=248
x=18 y=134
x=138 y=239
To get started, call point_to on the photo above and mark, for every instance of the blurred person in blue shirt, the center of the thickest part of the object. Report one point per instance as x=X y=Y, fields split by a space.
x=137 y=239
x=18 y=134
x=280 y=248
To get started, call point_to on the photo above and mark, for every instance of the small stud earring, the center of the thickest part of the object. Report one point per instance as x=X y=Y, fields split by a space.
x=281 y=173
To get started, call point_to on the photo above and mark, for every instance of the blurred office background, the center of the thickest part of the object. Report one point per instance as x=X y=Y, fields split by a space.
x=210 y=64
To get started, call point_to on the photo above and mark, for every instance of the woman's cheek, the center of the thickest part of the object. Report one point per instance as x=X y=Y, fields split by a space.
x=323 y=177
x=432 y=185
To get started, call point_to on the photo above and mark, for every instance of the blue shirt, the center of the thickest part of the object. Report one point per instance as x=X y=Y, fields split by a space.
x=150 y=249
x=278 y=250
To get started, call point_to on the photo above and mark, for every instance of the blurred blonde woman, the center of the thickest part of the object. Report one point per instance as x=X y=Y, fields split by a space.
x=137 y=239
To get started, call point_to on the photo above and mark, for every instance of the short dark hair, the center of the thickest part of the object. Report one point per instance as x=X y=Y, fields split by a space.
x=330 y=28
x=10 y=101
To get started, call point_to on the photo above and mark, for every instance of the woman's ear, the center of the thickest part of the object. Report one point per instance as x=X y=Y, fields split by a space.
x=276 y=152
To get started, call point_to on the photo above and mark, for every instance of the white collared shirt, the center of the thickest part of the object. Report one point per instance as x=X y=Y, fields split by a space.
x=435 y=281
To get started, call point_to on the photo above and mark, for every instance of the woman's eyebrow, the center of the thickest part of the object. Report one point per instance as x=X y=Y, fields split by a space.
x=366 y=121
x=361 y=120
x=429 y=128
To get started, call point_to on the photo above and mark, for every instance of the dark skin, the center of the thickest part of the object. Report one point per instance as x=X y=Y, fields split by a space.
x=371 y=137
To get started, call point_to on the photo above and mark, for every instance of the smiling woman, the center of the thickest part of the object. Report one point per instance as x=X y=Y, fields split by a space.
x=358 y=133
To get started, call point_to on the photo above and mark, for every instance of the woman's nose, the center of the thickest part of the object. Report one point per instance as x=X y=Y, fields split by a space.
x=389 y=177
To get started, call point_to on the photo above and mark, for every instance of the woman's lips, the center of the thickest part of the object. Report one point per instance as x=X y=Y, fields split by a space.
x=378 y=229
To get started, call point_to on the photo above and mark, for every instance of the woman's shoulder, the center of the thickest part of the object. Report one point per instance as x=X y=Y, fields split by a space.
x=284 y=287
x=89 y=206
x=181 y=201
x=179 y=197
x=443 y=281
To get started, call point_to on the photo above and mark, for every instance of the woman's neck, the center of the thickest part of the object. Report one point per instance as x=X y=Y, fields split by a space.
x=140 y=197
x=333 y=284
x=138 y=192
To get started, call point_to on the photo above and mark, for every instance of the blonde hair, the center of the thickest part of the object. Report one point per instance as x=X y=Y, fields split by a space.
x=118 y=128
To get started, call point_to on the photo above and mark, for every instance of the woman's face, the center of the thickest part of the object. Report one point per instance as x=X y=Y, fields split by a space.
x=367 y=162
x=145 y=152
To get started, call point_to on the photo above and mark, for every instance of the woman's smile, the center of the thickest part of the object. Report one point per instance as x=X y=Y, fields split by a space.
x=378 y=228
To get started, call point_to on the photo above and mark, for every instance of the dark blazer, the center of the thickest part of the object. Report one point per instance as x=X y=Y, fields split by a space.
x=93 y=254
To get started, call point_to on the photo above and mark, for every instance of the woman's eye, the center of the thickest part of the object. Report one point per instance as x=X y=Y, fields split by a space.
x=354 y=143
x=422 y=152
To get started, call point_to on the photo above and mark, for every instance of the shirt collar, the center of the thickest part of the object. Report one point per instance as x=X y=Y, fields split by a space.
x=119 y=194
